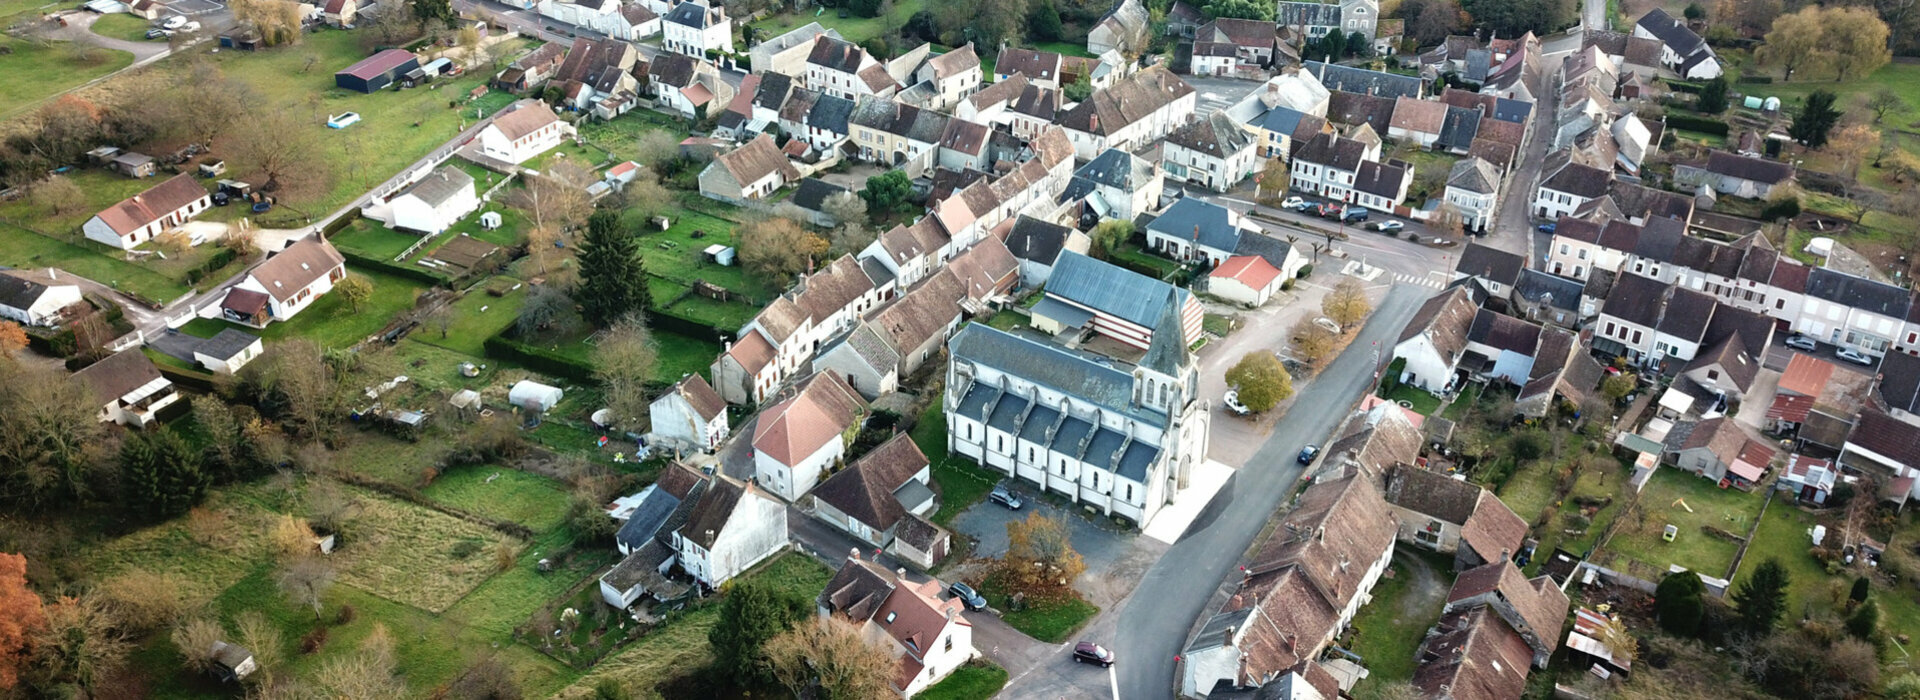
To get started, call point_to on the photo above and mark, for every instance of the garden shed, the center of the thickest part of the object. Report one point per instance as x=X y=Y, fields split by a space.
x=534 y=396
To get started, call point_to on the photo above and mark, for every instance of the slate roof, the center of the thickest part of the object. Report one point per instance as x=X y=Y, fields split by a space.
x=677 y=485
x=1039 y=65
x=1311 y=14
x=1887 y=436
x=1193 y=219
x=1115 y=168
x=1363 y=81
x=113 y=376
x=1125 y=102
x=857 y=589
x=714 y=510
x=865 y=489
x=1761 y=170
x=1900 y=381
x=1380 y=179
x=1216 y=135
x=1686 y=314
x=696 y=14
x=1490 y=263
x=1110 y=289
x=1583 y=180
x=1474 y=175
x=823 y=408
x=836 y=54
x=1857 y=292
x=1332 y=151
x=1088 y=378
x=830 y=113
x=1549 y=290
x=881 y=114
x=1354 y=109
x=1459 y=129
x=226 y=344
x=1037 y=240
x=1636 y=299
x=1676 y=35
x=20 y=289
x=1504 y=332
x=813 y=192
x=772 y=91
x=1730 y=354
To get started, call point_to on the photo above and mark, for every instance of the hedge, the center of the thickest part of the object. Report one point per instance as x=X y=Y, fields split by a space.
x=1703 y=125
x=219 y=260
x=503 y=348
x=1755 y=80
x=415 y=274
x=1684 y=86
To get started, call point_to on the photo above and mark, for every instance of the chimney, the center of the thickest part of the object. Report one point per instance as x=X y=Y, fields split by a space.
x=53 y=273
x=854 y=554
x=901 y=574
x=1093 y=124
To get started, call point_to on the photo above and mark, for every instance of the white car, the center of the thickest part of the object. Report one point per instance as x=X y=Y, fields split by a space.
x=1328 y=324
x=174 y=22
x=1293 y=203
x=1232 y=402
x=343 y=121
x=1387 y=226
x=1854 y=356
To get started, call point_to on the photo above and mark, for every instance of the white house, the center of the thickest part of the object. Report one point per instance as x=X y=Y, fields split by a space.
x=1686 y=53
x=127 y=388
x=1435 y=339
x=690 y=413
x=693 y=28
x=285 y=284
x=955 y=75
x=1473 y=190
x=787 y=54
x=1381 y=186
x=752 y=171
x=517 y=136
x=1315 y=20
x=628 y=22
x=1569 y=187
x=33 y=299
x=1328 y=165
x=842 y=68
x=1247 y=279
x=1131 y=113
x=1211 y=152
x=227 y=351
x=137 y=219
x=434 y=204
x=924 y=630
x=1114 y=185
x=797 y=439
x=735 y=526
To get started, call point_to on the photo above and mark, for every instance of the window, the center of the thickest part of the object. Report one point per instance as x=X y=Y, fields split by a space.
x=1129 y=493
x=1563 y=249
x=949 y=647
x=1713 y=375
x=1583 y=253
x=892 y=614
x=1636 y=337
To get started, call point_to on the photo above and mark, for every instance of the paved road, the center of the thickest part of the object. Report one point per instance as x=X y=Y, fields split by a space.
x=1174 y=592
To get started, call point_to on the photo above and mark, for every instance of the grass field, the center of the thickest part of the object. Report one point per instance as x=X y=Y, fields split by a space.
x=25 y=249
x=1423 y=403
x=621 y=135
x=676 y=254
x=960 y=483
x=507 y=494
x=1388 y=631
x=978 y=680
x=1064 y=48
x=852 y=28
x=476 y=317
x=1901 y=79
x=34 y=73
x=1049 y=621
x=367 y=237
x=1640 y=542
x=122 y=26
x=330 y=320
x=412 y=555
x=1783 y=536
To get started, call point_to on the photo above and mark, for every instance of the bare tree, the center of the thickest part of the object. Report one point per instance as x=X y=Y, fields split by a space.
x=829 y=655
x=50 y=444
x=655 y=147
x=845 y=208
x=646 y=196
x=292 y=538
x=556 y=197
x=1347 y=304
x=778 y=247
x=58 y=194
x=263 y=638
x=623 y=358
x=284 y=150
x=80 y=644
x=306 y=580
x=194 y=640
x=366 y=673
x=144 y=601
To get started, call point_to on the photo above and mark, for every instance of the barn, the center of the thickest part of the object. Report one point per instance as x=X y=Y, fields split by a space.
x=377 y=71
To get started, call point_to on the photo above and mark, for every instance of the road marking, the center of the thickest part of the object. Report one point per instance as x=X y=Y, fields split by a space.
x=1425 y=280
x=1113 y=680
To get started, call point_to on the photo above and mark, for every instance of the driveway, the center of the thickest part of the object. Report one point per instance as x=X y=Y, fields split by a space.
x=1165 y=607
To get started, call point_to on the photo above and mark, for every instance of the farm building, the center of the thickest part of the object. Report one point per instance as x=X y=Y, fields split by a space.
x=377 y=71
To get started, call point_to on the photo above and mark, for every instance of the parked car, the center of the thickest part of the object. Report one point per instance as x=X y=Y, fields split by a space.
x=1854 y=356
x=1090 y=653
x=1304 y=205
x=1006 y=497
x=1293 y=203
x=1232 y=401
x=1357 y=215
x=1801 y=342
x=344 y=120
x=156 y=33
x=1308 y=453
x=174 y=22
x=1546 y=228
x=1387 y=226
x=1328 y=324
x=967 y=596
x=1329 y=210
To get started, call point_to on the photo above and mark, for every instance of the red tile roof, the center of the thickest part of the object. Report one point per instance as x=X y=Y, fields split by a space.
x=1251 y=270
x=158 y=201
x=823 y=409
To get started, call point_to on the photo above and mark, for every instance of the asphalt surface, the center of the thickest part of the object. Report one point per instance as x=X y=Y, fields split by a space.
x=1178 y=588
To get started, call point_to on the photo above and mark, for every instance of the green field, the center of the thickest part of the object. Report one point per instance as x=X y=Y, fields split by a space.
x=852 y=28
x=475 y=318
x=506 y=494
x=1388 y=631
x=122 y=26
x=959 y=482
x=330 y=321
x=25 y=249
x=367 y=237
x=34 y=73
x=1048 y=621
x=1637 y=545
x=1901 y=79
x=620 y=137
x=978 y=680
x=1783 y=536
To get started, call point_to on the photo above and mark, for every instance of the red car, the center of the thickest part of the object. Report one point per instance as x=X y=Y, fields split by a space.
x=1090 y=653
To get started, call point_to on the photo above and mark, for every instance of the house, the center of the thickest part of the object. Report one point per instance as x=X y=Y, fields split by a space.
x=1451 y=515
x=1473 y=190
x=1246 y=279
x=1535 y=609
x=1685 y=53
x=1124 y=29
x=878 y=492
x=1114 y=185
x=752 y=171
x=1361 y=81
x=1545 y=298
x=964 y=146
x=1037 y=244
x=227 y=351
x=1113 y=436
x=1735 y=175
x=1314 y=20
x=1210 y=152
x=32 y=299
x=1327 y=165
x=1278 y=130
x=693 y=28
x=1303 y=586
x=1724 y=368
x=1889 y=449
x=811 y=196
x=1436 y=338
x=285 y=284
x=897 y=135
x=232 y=662
x=1563 y=374
x=902 y=337
x=433 y=204
x=1720 y=450
x=1501 y=347
x=691 y=413
x=1293 y=89
x=787 y=54
x=1898 y=389
x=1810 y=480
x=1854 y=312
x=1381 y=186
x=626 y=22
x=797 y=439
x=1820 y=402
x=928 y=637
x=1569 y=187
x=1417 y=121
x=1250 y=42
x=1374 y=438
x=127 y=388
x=1130 y=113
x=1496 y=270
x=842 y=68
x=339 y=13
x=1472 y=653
x=779 y=341
x=1458 y=130
x=1040 y=68
x=530 y=129
x=377 y=71
x=1118 y=303
x=597 y=71
x=705 y=528
x=954 y=75
x=820 y=120
x=137 y=219
x=529 y=71
x=1194 y=230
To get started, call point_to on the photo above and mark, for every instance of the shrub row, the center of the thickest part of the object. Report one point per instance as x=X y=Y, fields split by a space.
x=220 y=259
x=500 y=347
x=1755 y=80
x=412 y=273
x=1684 y=86
x=1700 y=124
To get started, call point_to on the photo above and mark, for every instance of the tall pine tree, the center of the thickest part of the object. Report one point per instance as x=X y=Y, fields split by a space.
x=1815 y=120
x=613 y=281
x=1762 y=598
x=162 y=473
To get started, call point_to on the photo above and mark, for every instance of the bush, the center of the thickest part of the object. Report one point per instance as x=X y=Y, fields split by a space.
x=1755 y=80
x=1305 y=271
x=1701 y=124
x=344 y=616
x=537 y=359
x=1785 y=208
x=314 y=640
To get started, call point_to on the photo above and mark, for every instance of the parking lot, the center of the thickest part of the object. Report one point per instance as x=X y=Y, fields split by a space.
x=1101 y=543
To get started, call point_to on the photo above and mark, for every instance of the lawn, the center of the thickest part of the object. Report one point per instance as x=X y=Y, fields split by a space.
x=1065 y=48
x=475 y=318
x=25 y=249
x=978 y=680
x=410 y=554
x=960 y=483
x=1783 y=535
x=621 y=135
x=677 y=254
x=122 y=26
x=1007 y=320
x=851 y=28
x=1388 y=631
x=1637 y=543
x=331 y=321
x=502 y=493
x=587 y=157
x=34 y=73
x=1421 y=401
x=1463 y=402
x=1048 y=621
x=1901 y=79
x=1131 y=256
x=367 y=237
x=1595 y=497
x=1529 y=492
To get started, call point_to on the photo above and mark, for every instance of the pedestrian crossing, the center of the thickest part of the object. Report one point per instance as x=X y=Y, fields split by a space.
x=1427 y=280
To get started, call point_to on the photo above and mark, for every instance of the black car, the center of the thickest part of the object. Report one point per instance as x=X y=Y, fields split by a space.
x=967 y=596
x=1308 y=453
x=1356 y=215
